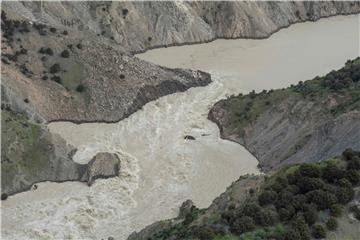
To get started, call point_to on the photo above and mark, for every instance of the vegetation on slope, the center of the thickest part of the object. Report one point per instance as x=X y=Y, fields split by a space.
x=343 y=86
x=298 y=202
x=22 y=148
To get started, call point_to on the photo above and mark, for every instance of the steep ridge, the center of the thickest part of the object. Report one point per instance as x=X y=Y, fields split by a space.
x=138 y=26
x=314 y=120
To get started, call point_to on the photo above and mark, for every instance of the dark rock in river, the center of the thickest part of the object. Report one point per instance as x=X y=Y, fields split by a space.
x=189 y=137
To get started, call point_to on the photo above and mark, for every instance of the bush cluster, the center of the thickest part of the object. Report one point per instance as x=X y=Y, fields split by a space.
x=297 y=197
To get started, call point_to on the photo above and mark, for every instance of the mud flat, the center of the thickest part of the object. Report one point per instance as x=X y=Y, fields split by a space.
x=161 y=169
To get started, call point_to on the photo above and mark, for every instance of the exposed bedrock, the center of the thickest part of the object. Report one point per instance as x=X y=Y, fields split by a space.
x=138 y=26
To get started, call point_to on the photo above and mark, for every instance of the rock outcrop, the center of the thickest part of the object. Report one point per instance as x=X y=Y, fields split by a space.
x=138 y=26
x=102 y=165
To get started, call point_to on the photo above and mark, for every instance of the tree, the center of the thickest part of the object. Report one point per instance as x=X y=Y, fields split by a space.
x=345 y=183
x=300 y=225
x=353 y=176
x=309 y=170
x=251 y=210
x=344 y=195
x=266 y=217
x=267 y=197
x=204 y=232
x=286 y=213
x=65 y=54
x=332 y=224
x=242 y=224
x=322 y=199
x=319 y=231
x=354 y=163
x=292 y=234
x=80 y=88
x=55 y=68
x=348 y=154
x=336 y=210
x=332 y=173
x=310 y=215
x=307 y=184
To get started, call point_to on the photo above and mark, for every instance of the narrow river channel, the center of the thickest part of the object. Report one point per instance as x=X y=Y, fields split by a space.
x=159 y=168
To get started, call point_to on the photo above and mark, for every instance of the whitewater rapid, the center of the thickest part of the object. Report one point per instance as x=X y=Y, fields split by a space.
x=159 y=169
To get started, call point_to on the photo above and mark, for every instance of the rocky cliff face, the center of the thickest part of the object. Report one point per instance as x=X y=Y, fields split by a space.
x=79 y=77
x=311 y=121
x=138 y=26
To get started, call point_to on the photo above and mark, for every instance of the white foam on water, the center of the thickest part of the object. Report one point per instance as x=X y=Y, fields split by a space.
x=159 y=169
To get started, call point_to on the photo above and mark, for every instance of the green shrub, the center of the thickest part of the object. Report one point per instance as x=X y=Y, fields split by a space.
x=311 y=215
x=80 y=88
x=354 y=163
x=242 y=224
x=332 y=173
x=344 y=183
x=348 y=154
x=309 y=170
x=332 y=224
x=344 y=195
x=267 y=197
x=47 y=51
x=55 y=68
x=57 y=79
x=336 y=210
x=266 y=217
x=307 y=184
x=318 y=231
x=353 y=176
x=65 y=54
x=321 y=199
x=204 y=233
x=301 y=227
x=292 y=234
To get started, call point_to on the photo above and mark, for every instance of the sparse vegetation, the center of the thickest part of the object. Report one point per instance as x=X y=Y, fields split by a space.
x=57 y=79
x=80 y=88
x=65 y=54
x=47 y=51
x=125 y=11
x=55 y=68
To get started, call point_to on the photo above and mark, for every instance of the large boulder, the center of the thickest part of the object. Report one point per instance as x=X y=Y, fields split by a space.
x=103 y=165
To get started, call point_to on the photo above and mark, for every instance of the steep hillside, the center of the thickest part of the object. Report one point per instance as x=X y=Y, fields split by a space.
x=311 y=121
x=298 y=202
x=71 y=75
x=138 y=26
x=30 y=154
